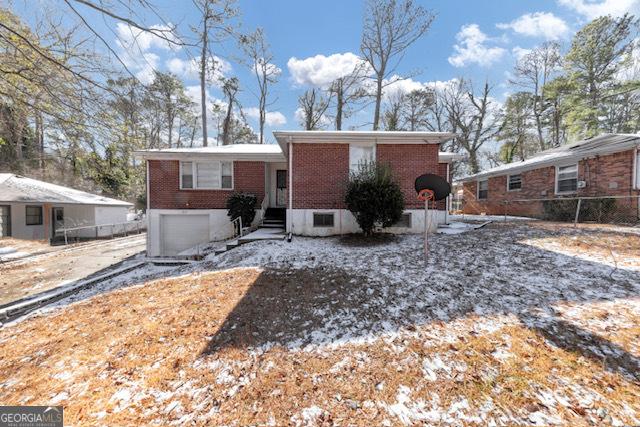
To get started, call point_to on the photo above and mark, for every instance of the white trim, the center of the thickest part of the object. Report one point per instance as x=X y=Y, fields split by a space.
x=478 y=188
x=566 y=165
x=333 y=219
x=509 y=178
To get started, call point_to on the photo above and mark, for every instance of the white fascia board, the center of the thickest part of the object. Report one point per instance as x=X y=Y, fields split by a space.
x=248 y=157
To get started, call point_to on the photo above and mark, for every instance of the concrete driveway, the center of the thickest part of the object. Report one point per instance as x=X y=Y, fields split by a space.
x=32 y=275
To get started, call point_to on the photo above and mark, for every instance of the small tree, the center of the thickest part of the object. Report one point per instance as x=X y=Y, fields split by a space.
x=374 y=197
x=242 y=205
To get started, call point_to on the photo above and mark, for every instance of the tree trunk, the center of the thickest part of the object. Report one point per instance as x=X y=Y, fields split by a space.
x=203 y=77
x=473 y=162
x=376 y=114
x=339 y=106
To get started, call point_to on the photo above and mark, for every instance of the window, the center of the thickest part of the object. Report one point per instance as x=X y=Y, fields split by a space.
x=514 y=182
x=483 y=189
x=34 y=215
x=359 y=154
x=227 y=175
x=566 y=179
x=186 y=177
x=323 y=219
x=404 y=222
x=212 y=175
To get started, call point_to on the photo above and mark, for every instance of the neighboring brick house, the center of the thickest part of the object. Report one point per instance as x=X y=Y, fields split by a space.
x=606 y=165
x=304 y=173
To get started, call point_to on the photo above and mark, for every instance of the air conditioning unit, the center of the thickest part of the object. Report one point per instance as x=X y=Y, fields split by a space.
x=582 y=184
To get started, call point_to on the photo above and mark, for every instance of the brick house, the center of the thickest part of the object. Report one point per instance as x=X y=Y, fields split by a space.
x=607 y=165
x=303 y=175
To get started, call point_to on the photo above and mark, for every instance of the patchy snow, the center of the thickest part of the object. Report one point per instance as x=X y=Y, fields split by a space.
x=474 y=285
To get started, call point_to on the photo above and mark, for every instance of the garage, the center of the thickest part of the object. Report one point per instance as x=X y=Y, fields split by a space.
x=181 y=232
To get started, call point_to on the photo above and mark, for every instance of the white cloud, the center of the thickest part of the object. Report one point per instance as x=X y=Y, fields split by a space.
x=299 y=117
x=132 y=38
x=190 y=68
x=472 y=48
x=145 y=66
x=592 y=9
x=321 y=70
x=397 y=85
x=540 y=24
x=272 y=118
x=520 y=52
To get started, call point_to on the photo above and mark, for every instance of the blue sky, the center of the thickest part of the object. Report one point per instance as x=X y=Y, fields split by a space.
x=478 y=39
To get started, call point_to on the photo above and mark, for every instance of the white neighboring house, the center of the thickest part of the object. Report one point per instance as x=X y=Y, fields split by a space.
x=32 y=209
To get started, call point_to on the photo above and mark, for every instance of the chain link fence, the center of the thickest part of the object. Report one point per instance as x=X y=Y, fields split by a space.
x=620 y=210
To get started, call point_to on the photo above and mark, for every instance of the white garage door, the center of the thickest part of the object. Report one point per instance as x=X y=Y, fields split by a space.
x=181 y=232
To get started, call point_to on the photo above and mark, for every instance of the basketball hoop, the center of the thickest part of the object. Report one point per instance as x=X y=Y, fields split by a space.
x=430 y=188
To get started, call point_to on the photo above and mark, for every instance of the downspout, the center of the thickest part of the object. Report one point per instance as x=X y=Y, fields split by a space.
x=290 y=222
x=448 y=201
x=148 y=205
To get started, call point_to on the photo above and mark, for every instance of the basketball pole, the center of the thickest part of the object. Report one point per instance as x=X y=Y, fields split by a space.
x=426 y=230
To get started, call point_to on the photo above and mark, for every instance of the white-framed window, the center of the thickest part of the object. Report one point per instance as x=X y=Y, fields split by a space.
x=206 y=175
x=323 y=219
x=514 y=182
x=566 y=179
x=483 y=189
x=360 y=154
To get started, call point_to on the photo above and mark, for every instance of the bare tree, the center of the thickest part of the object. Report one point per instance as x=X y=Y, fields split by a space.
x=416 y=108
x=348 y=90
x=392 y=115
x=474 y=118
x=312 y=107
x=216 y=26
x=390 y=27
x=532 y=72
x=260 y=56
x=230 y=90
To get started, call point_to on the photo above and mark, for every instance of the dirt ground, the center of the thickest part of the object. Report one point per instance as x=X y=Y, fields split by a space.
x=496 y=330
x=61 y=265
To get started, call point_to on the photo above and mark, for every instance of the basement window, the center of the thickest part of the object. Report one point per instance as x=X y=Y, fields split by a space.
x=323 y=219
x=33 y=215
x=483 y=189
x=514 y=182
x=404 y=222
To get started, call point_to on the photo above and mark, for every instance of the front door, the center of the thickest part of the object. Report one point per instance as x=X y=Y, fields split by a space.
x=5 y=221
x=58 y=220
x=281 y=187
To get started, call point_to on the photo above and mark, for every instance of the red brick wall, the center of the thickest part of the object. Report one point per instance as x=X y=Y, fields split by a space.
x=599 y=173
x=409 y=161
x=320 y=172
x=165 y=192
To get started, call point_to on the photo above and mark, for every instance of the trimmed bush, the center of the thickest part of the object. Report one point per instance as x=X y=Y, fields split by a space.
x=242 y=205
x=374 y=197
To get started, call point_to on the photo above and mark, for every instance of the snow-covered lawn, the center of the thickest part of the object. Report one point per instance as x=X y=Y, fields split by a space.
x=501 y=327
